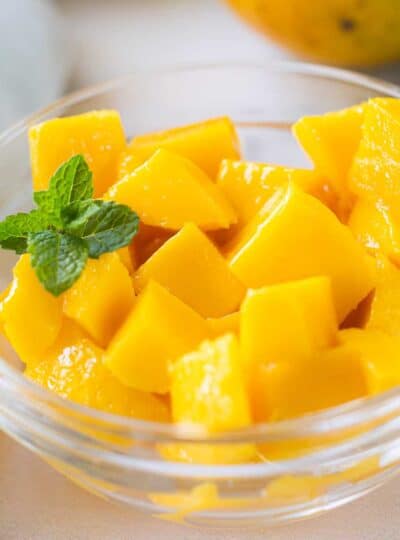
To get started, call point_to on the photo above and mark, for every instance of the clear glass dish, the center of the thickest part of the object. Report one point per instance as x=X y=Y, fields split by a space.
x=309 y=465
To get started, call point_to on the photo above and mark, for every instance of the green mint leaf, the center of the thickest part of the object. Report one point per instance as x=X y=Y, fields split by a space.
x=105 y=226
x=14 y=230
x=71 y=182
x=57 y=258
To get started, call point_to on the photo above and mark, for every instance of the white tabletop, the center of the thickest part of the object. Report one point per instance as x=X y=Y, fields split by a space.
x=110 y=38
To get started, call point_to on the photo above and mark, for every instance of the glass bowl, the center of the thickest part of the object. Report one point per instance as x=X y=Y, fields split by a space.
x=307 y=465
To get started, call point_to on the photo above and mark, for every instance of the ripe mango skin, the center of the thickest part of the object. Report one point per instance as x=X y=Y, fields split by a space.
x=191 y=267
x=98 y=135
x=339 y=32
x=286 y=235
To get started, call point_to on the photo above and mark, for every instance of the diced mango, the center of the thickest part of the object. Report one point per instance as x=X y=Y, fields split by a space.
x=31 y=315
x=380 y=357
x=101 y=298
x=375 y=226
x=98 y=135
x=249 y=185
x=228 y=324
x=376 y=166
x=295 y=237
x=384 y=312
x=127 y=259
x=73 y=368
x=127 y=163
x=331 y=141
x=159 y=329
x=169 y=190
x=208 y=391
x=284 y=390
x=205 y=143
x=191 y=268
x=3 y=296
x=288 y=322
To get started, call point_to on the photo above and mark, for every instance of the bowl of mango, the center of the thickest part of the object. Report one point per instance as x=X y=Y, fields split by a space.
x=170 y=284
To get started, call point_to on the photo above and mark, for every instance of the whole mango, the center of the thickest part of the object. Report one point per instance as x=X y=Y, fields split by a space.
x=341 y=32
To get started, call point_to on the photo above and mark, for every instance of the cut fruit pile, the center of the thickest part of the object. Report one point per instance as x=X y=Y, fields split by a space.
x=252 y=292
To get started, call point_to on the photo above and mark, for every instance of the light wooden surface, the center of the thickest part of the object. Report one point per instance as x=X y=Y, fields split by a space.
x=108 y=39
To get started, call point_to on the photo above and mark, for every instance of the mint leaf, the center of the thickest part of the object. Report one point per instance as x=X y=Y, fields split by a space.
x=105 y=226
x=71 y=182
x=14 y=229
x=57 y=258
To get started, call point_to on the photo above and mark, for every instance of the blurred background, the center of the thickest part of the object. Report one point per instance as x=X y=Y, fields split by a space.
x=50 y=47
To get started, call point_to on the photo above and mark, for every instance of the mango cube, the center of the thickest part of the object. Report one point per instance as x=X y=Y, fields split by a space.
x=168 y=191
x=31 y=315
x=288 y=322
x=384 y=311
x=375 y=226
x=73 y=368
x=380 y=357
x=101 y=298
x=376 y=166
x=249 y=185
x=127 y=163
x=283 y=390
x=209 y=287
x=228 y=324
x=205 y=143
x=98 y=135
x=159 y=329
x=331 y=141
x=295 y=237
x=207 y=391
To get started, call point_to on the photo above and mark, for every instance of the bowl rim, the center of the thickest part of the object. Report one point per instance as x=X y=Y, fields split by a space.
x=343 y=416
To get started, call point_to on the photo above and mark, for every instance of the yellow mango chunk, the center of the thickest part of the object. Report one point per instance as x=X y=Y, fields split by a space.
x=375 y=226
x=205 y=143
x=288 y=322
x=146 y=242
x=31 y=315
x=249 y=185
x=376 y=166
x=73 y=368
x=101 y=298
x=169 y=190
x=384 y=313
x=380 y=357
x=3 y=296
x=97 y=135
x=228 y=324
x=209 y=287
x=331 y=141
x=159 y=329
x=295 y=237
x=127 y=259
x=284 y=390
x=208 y=391
x=127 y=163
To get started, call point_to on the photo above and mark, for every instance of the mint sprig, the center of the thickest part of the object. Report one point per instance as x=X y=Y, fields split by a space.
x=68 y=227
